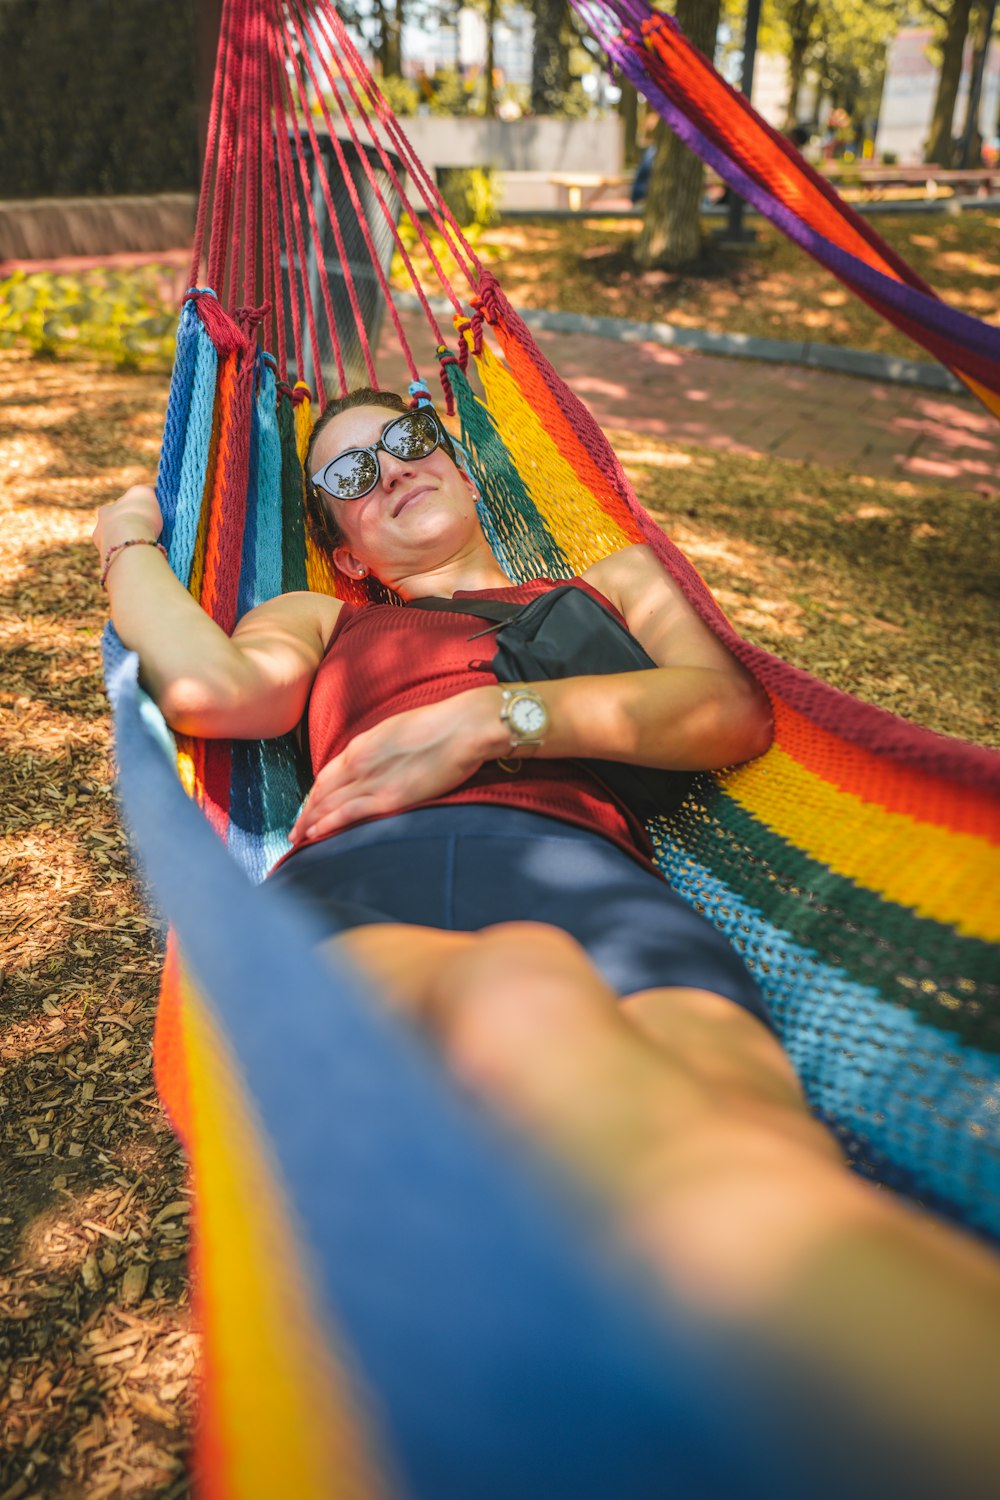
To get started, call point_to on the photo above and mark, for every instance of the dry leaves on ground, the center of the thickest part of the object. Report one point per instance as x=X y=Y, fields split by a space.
x=97 y=1350
x=879 y=588
x=768 y=289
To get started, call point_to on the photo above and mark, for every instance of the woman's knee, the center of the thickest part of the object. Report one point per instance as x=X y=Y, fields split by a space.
x=534 y=943
x=519 y=991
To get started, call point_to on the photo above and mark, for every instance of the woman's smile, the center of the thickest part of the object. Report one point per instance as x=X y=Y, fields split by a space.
x=409 y=497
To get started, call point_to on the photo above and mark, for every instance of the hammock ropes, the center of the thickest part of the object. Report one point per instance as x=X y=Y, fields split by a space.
x=377 y=1278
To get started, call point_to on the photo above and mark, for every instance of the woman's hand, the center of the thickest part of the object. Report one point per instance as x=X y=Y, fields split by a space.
x=410 y=758
x=136 y=514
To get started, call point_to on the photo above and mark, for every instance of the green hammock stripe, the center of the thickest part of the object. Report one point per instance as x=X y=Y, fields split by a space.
x=293 y=562
x=512 y=521
x=924 y=966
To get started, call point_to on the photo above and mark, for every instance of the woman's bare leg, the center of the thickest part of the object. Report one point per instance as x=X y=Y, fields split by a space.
x=684 y=1115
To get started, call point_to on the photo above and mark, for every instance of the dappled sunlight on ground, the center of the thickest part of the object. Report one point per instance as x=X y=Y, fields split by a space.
x=769 y=289
x=873 y=581
x=96 y=1383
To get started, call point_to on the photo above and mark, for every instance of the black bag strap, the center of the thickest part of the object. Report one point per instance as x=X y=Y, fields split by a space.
x=485 y=609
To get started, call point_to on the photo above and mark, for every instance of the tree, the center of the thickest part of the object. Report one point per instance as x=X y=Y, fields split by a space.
x=940 y=146
x=492 y=13
x=550 y=70
x=671 y=229
x=971 y=145
x=628 y=109
x=801 y=17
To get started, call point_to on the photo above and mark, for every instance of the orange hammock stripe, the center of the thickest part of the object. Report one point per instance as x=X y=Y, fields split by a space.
x=699 y=83
x=283 y=1421
x=228 y=419
x=568 y=506
x=948 y=877
x=550 y=416
x=928 y=799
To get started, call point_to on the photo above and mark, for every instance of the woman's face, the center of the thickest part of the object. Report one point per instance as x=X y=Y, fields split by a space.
x=420 y=515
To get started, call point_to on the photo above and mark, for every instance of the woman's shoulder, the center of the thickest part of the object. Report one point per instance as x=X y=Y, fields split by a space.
x=617 y=574
x=301 y=611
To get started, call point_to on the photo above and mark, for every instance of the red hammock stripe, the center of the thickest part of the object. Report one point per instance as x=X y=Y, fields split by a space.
x=875 y=778
x=727 y=119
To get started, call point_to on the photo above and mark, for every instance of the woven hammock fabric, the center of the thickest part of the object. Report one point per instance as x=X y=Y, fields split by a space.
x=355 y=1236
x=758 y=163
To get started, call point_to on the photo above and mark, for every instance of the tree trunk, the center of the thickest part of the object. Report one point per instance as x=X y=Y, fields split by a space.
x=801 y=16
x=209 y=23
x=491 y=24
x=550 y=75
x=671 y=228
x=628 y=108
x=394 y=40
x=381 y=34
x=972 y=139
x=940 y=146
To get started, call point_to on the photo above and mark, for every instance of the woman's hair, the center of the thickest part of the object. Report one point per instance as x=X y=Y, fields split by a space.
x=322 y=526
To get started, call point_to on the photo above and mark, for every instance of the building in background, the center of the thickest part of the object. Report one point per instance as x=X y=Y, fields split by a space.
x=463 y=45
x=910 y=86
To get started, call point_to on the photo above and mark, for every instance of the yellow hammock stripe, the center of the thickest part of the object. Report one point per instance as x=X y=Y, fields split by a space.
x=284 y=1422
x=580 y=526
x=303 y=421
x=321 y=576
x=948 y=877
x=989 y=398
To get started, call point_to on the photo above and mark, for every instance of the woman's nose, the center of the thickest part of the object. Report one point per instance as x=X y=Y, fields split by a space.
x=392 y=468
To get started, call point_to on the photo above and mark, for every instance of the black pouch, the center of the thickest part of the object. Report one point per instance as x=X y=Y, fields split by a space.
x=566 y=632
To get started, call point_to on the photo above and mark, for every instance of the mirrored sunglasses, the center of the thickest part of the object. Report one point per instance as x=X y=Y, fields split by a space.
x=353 y=473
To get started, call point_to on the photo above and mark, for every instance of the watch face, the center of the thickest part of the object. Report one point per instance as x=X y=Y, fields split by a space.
x=528 y=717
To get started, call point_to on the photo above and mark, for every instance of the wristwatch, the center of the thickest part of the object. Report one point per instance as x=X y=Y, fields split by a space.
x=525 y=718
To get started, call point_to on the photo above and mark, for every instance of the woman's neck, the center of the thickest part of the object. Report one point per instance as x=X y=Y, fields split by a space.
x=463 y=574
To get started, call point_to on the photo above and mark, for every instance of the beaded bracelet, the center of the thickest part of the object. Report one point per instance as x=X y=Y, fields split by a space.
x=112 y=553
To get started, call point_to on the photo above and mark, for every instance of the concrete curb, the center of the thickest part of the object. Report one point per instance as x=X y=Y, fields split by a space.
x=885 y=367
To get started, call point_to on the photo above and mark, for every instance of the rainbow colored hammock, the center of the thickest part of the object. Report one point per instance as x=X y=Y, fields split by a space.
x=392 y=1301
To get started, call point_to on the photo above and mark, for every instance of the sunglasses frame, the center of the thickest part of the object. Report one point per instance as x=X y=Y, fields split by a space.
x=373 y=449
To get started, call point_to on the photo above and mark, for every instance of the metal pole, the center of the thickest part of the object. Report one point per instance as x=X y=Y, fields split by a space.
x=976 y=87
x=734 y=229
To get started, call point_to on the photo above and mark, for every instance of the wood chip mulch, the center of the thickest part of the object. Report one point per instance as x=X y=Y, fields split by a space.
x=97 y=1348
x=98 y=1352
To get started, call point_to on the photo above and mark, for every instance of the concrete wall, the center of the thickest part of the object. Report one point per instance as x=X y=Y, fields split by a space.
x=523 y=152
x=536 y=145
x=47 y=228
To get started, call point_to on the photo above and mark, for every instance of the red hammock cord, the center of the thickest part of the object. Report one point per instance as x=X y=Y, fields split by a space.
x=279 y=65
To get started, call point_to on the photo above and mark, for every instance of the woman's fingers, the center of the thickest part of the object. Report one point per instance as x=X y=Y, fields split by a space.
x=334 y=781
x=352 y=810
x=135 y=514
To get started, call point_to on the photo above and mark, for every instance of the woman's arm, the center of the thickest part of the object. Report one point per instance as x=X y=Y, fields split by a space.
x=253 y=685
x=698 y=710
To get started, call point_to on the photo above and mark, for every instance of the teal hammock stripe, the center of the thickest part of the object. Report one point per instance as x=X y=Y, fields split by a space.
x=523 y=544
x=194 y=465
x=857 y=1056
x=947 y=979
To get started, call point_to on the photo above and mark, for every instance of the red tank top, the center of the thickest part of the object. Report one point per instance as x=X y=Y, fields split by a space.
x=382 y=660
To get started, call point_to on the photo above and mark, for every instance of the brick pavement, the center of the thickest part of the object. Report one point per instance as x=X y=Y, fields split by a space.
x=744 y=406
x=741 y=406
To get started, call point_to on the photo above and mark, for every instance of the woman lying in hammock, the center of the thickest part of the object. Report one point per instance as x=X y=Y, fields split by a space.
x=499 y=892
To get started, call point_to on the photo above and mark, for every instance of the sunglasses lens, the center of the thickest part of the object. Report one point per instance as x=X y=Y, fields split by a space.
x=412 y=436
x=350 y=475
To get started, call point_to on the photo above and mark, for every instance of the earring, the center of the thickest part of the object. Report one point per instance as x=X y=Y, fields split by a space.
x=362 y=572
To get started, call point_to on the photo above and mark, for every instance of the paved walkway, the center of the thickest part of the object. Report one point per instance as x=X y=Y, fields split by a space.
x=740 y=406
x=680 y=396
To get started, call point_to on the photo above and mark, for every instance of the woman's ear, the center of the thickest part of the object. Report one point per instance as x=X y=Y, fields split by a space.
x=470 y=482
x=345 y=562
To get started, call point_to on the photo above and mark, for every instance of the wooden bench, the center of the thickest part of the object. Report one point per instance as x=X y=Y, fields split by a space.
x=582 y=189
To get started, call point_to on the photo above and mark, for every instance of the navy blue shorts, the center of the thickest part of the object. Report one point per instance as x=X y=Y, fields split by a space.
x=466 y=867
